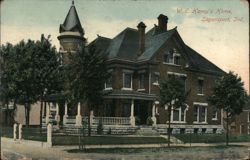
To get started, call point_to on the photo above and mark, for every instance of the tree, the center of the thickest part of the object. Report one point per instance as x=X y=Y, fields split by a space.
x=86 y=74
x=7 y=87
x=48 y=69
x=229 y=94
x=172 y=96
x=29 y=68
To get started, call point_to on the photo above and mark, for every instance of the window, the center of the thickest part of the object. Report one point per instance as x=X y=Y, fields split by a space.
x=248 y=132
x=169 y=57
x=196 y=113
x=108 y=83
x=214 y=113
x=200 y=86
x=248 y=116
x=177 y=60
x=179 y=114
x=172 y=57
x=200 y=114
x=127 y=80
x=141 y=81
x=176 y=115
x=156 y=78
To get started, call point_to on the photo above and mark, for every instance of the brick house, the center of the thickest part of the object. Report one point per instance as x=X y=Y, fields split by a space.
x=241 y=122
x=137 y=60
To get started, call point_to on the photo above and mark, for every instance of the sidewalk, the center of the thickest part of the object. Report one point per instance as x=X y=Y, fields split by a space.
x=22 y=151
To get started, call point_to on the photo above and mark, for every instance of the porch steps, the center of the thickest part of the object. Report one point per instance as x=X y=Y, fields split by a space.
x=173 y=139
x=147 y=131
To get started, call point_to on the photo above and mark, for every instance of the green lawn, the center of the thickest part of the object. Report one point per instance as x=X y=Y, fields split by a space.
x=155 y=150
x=7 y=132
x=102 y=140
x=211 y=138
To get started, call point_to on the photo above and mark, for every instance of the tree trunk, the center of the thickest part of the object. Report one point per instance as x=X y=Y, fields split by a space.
x=89 y=127
x=27 y=114
x=169 y=123
x=6 y=114
x=45 y=109
x=227 y=131
x=41 y=113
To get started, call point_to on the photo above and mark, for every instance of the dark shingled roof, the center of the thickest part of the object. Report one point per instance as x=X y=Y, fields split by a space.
x=201 y=63
x=125 y=46
x=71 y=22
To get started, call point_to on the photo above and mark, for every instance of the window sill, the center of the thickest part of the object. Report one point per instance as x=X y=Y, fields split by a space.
x=127 y=89
x=140 y=90
x=178 y=122
x=199 y=94
x=156 y=84
x=214 y=119
x=200 y=123
x=108 y=89
x=172 y=64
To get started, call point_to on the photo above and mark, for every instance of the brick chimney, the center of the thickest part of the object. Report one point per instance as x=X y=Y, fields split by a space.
x=141 y=30
x=162 y=22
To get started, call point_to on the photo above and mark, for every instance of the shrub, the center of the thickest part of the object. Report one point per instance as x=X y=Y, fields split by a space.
x=137 y=120
x=109 y=131
x=100 y=128
x=149 y=121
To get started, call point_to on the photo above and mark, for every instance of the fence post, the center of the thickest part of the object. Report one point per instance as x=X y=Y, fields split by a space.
x=49 y=135
x=78 y=116
x=14 y=131
x=20 y=132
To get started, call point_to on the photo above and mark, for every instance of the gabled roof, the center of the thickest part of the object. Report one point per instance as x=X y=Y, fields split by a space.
x=202 y=64
x=125 y=46
x=71 y=22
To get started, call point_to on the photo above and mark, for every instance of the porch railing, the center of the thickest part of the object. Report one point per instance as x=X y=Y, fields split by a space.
x=112 y=120
x=71 y=119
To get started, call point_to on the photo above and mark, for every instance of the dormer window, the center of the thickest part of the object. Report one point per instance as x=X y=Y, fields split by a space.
x=172 y=57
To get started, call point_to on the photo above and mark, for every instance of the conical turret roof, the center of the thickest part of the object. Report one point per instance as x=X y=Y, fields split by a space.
x=71 y=22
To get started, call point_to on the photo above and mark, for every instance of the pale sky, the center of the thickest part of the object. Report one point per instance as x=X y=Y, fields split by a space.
x=224 y=41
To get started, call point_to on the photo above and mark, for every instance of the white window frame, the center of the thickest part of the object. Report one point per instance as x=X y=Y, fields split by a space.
x=216 y=114
x=139 y=82
x=179 y=110
x=248 y=113
x=105 y=84
x=156 y=83
x=248 y=131
x=198 y=112
x=175 y=54
x=123 y=80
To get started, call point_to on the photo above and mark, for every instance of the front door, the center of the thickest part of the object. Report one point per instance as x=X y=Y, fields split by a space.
x=141 y=112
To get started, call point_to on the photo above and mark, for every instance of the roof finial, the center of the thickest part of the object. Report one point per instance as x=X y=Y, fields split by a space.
x=72 y=2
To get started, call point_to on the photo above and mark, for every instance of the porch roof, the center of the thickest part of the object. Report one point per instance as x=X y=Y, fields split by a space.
x=126 y=94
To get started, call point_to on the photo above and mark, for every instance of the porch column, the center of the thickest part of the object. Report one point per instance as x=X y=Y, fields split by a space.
x=153 y=115
x=47 y=113
x=132 y=117
x=91 y=117
x=65 y=116
x=78 y=116
x=57 y=117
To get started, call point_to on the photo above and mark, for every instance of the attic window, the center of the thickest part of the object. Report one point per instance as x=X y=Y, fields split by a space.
x=172 y=57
